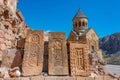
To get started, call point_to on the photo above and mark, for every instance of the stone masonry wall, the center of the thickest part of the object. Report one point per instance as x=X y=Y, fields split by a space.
x=12 y=32
x=59 y=78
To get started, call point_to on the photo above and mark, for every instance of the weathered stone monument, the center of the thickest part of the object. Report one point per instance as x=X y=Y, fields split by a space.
x=58 y=59
x=33 y=55
x=79 y=59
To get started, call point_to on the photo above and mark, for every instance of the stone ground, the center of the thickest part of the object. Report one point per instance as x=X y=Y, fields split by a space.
x=114 y=68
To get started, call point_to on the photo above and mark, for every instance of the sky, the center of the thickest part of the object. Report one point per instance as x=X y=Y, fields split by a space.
x=57 y=15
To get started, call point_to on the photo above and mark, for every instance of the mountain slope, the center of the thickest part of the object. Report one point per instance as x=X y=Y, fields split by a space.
x=111 y=48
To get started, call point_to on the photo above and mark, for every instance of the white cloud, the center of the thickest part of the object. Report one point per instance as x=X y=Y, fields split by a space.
x=46 y=32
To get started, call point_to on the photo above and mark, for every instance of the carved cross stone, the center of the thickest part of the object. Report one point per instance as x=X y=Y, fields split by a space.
x=79 y=59
x=58 y=59
x=33 y=55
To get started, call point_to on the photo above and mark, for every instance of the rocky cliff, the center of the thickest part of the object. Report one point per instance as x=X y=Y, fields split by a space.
x=13 y=30
x=111 y=48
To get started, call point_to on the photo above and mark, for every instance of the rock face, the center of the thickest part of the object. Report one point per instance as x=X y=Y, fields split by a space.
x=8 y=57
x=12 y=30
x=58 y=59
x=111 y=48
x=33 y=55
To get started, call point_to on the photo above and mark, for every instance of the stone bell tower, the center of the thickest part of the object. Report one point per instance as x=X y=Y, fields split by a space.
x=80 y=22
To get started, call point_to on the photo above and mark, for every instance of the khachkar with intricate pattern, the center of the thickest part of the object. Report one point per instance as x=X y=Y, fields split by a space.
x=33 y=55
x=79 y=59
x=58 y=59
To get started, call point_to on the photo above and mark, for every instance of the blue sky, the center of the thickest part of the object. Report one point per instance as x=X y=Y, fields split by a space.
x=57 y=15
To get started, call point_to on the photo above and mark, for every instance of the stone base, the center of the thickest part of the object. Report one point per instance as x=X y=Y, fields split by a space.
x=59 y=78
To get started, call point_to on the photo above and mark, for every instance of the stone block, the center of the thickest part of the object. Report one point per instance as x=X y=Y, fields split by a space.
x=106 y=77
x=14 y=43
x=37 y=78
x=69 y=78
x=8 y=44
x=33 y=54
x=1 y=26
x=6 y=35
x=8 y=57
x=2 y=34
x=3 y=46
x=90 y=78
x=9 y=31
x=1 y=40
x=99 y=78
x=50 y=78
x=25 y=78
x=81 y=78
x=60 y=78
x=12 y=79
x=58 y=59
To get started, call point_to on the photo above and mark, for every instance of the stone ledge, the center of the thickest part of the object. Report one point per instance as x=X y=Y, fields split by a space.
x=59 y=78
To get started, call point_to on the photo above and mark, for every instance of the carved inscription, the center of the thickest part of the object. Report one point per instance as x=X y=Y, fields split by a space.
x=57 y=52
x=78 y=60
x=33 y=55
x=58 y=60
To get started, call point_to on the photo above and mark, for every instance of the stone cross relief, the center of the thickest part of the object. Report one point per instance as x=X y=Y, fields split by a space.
x=35 y=47
x=77 y=61
x=57 y=52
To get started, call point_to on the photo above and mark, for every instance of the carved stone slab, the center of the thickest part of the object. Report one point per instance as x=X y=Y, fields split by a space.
x=79 y=59
x=33 y=55
x=58 y=59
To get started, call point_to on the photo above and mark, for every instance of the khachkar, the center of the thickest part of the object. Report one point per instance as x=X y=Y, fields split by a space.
x=79 y=60
x=33 y=55
x=58 y=59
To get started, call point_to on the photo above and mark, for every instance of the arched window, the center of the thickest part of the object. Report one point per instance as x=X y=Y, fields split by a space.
x=80 y=24
x=75 y=24
x=86 y=24
x=83 y=23
x=93 y=49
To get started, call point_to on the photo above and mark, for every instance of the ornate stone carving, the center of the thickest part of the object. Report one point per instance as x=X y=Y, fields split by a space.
x=79 y=63
x=58 y=60
x=33 y=55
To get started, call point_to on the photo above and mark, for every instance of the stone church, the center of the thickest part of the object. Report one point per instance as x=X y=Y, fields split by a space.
x=82 y=41
x=32 y=55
